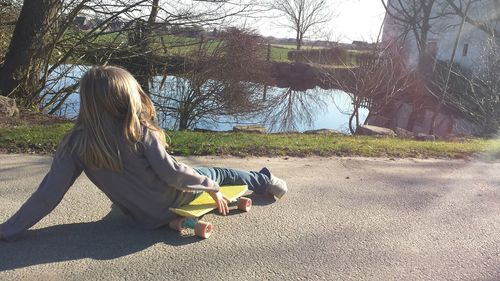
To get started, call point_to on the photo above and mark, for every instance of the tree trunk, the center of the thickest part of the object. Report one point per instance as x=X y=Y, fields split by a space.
x=184 y=121
x=298 y=40
x=141 y=42
x=29 y=50
x=351 y=119
x=356 y=102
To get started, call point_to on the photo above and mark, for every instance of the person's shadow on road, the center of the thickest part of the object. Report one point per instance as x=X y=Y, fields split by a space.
x=109 y=238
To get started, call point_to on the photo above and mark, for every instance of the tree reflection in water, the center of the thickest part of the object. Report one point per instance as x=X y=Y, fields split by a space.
x=289 y=109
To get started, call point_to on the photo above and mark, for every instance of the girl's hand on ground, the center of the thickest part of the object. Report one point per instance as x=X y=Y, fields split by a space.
x=221 y=201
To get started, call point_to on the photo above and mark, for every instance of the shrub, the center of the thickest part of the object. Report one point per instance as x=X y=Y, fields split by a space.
x=336 y=55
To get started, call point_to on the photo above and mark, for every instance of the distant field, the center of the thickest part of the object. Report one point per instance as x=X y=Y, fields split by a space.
x=174 y=45
x=279 y=53
x=185 y=46
x=294 y=47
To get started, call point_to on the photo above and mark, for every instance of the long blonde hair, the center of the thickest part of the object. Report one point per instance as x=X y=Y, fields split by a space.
x=110 y=96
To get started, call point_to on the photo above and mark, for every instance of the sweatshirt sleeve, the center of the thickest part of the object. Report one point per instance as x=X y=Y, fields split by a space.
x=173 y=173
x=63 y=172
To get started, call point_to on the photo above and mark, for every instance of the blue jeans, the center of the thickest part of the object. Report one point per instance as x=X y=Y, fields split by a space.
x=256 y=181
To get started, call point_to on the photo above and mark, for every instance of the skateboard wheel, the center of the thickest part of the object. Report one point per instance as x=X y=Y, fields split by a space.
x=176 y=224
x=203 y=229
x=244 y=204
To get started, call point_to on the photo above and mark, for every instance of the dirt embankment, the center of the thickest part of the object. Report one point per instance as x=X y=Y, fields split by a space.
x=29 y=117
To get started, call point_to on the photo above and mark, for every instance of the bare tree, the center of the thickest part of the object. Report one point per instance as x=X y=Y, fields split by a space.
x=41 y=30
x=460 y=7
x=302 y=15
x=473 y=93
x=474 y=96
x=216 y=85
x=378 y=84
x=416 y=21
x=146 y=38
x=443 y=87
x=46 y=38
x=27 y=51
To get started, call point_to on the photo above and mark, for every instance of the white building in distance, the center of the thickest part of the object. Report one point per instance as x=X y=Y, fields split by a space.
x=471 y=42
x=403 y=23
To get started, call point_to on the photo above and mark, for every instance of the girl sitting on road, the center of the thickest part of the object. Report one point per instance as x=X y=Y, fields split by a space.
x=122 y=150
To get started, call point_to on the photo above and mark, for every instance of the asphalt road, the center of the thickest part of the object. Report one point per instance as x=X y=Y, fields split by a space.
x=343 y=219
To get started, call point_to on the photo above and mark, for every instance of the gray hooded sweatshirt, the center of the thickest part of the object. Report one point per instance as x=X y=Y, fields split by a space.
x=150 y=183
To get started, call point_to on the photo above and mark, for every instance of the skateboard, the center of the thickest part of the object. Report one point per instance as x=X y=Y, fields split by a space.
x=203 y=204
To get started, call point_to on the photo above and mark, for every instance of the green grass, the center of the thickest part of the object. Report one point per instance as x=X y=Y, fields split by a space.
x=279 y=53
x=33 y=138
x=194 y=143
x=179 y=45
x=108 y=38
x=44 y=139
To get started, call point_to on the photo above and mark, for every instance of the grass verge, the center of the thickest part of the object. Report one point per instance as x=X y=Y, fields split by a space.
x=44 y=139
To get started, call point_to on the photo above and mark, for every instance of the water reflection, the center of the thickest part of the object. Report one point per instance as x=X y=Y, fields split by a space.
x=186 y=103
x=208 y=104
x=60 y=95
x=293 y=110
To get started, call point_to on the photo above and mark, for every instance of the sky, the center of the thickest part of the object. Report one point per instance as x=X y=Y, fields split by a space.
x=356 y=20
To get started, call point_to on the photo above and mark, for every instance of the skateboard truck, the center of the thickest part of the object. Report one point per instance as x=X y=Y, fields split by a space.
x=201 y=228
x=203 y=204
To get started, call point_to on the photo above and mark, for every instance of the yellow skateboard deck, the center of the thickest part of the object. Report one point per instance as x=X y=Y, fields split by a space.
x=204 y=202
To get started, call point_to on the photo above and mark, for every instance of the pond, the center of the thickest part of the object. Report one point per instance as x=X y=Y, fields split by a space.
x=280 y=110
